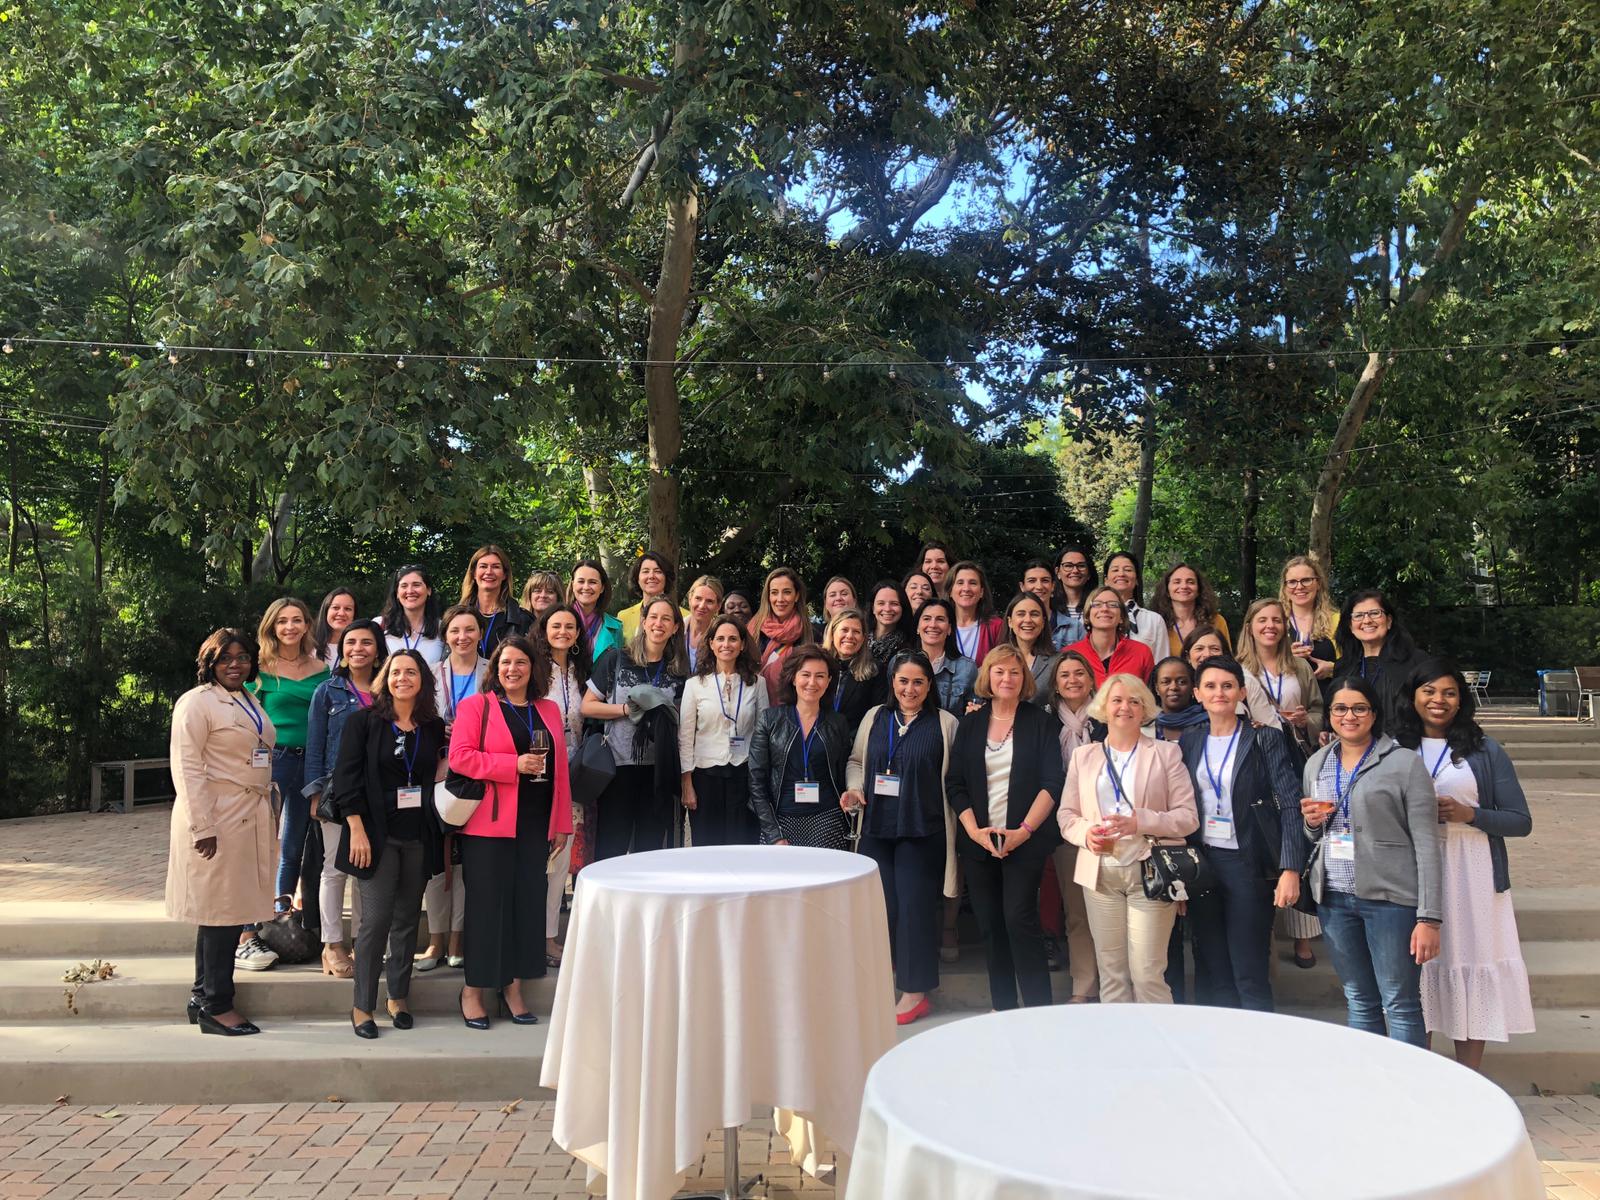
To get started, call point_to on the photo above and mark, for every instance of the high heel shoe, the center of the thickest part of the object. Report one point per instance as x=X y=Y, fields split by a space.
x=193 y=1010
x=527 y=1018
x=470 y=1022
x=402 y=1018
x=915 y=1013
x=367 y=1029
x=337 y=963
x=209 y=1024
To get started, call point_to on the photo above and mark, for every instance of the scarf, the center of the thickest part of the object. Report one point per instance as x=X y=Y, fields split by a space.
x=1075 y=729
x=1187 y=719
x=782 y=637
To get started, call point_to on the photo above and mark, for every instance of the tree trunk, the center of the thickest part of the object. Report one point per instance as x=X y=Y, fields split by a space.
x=100 y=521
x=597 y=483
x=1334 y=464
x=1147 y=477
x=1247 y=538
x=660 y=373
x=268 y=554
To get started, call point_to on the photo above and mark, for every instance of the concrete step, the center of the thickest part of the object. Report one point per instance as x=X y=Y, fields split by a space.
x=1527 y=756
x=154 y=987
x=1557 y=914
x=1532 y=774
x=1560 y=975
x=1537 y=730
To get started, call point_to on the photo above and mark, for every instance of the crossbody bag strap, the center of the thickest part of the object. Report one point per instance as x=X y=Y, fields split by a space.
x=483 y=734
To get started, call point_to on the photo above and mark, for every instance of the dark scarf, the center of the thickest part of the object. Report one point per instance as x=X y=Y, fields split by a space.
x=1186 y=719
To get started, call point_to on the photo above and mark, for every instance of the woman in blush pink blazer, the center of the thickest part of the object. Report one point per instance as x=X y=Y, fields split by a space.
x=1119 y=794
x=513 y=741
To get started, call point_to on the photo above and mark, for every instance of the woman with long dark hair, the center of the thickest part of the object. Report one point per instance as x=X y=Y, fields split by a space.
x=589 y=593
x=1124 y=574
x=558 y=639
x=389 y=759
x=1476 y=990
x=1075 y=579
x=892 y=627
x=953 y=673
x=722 y=702
x=410 y=616
x=1374 y=645
x=934 y=560
x=1027 y=627
x=978 y=630
x=654 y=576
x=797 y=759
x=1186 y=601
x=338 y=610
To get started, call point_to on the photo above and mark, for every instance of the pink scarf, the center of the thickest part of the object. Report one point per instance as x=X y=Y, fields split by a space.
x=782 y=637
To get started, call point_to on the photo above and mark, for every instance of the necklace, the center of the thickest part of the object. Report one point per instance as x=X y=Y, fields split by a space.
x=1004 y=738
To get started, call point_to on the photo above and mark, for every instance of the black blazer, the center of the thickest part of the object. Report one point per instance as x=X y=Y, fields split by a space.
x=1265 y=783
x=1035 y=767
x=775 y=731
x=357 y=792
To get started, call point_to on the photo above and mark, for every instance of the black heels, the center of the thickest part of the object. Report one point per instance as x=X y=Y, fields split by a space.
x=527 y=1018
x=367 y=1029
x=209 y=1024
x=470 y=1022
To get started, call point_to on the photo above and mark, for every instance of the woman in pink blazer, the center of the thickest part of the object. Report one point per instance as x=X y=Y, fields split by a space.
x=1121 y=793
x=513 y=741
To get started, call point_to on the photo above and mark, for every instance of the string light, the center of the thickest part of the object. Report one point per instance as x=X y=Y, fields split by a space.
x=1272 y=364
x=1332 y=365
x=249 y=360
x=325 y=364
x=400 y=363
x=172 y=358
x=893 y=374
x=9 y=348
x=761 y=375
x=1211 y=365
x=1449 y=356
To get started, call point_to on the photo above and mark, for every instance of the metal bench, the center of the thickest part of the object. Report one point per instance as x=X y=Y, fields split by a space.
x=130 y=768
x=1588 y=690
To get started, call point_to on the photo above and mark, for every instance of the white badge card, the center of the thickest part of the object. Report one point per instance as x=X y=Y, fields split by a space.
x=261 y=757
x=885 y=785
x=736 y=742
x=807 y=792
x=1219 y=829
x=1342 y=846
x=408 y=797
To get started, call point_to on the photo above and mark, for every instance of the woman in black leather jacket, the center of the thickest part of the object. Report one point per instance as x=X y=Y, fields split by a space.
x=797 y=759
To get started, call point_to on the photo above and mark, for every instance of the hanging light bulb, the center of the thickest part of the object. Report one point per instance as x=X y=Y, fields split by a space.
x=172 y=358
x=1211 y=365
x=1392 y=359
x=400 y=363
x=249 y=360
x=1272 y=364
x=94 y=351
x=827 y=374
x=9 y=348
x=1504 y=357
x=761 y=375
x=1449 y=356
x=325 y=363
x=1332 y=365
x=893 y=374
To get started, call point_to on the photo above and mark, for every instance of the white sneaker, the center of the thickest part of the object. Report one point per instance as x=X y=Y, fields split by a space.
x=255 y=955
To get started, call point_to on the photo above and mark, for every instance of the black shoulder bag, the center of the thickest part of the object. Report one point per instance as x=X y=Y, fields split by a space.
x=1170 y=872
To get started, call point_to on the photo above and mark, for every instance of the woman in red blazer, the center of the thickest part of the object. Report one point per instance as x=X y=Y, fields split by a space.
x=513 y=741
x=1108 y=647
x=978 y=629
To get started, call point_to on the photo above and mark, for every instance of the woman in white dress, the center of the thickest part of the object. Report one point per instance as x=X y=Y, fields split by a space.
x=1476 y=990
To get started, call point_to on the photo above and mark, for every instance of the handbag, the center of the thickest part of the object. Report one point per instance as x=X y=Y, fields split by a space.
x=287 y=935
x=1176 y=873
x=458 y=797
x=592 y=769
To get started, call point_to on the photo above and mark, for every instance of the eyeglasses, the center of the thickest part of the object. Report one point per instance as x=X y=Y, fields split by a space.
x=1111 y=604
x=1074 y=566
x=1351 y=710
x=1309 y=581
x=1369 y=614
x=228 y=660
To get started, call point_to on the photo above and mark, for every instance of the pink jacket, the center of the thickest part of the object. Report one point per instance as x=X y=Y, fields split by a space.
x=1162 y=796
x=496 y=765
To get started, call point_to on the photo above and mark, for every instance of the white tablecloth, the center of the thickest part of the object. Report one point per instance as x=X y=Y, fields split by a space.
x=702 y=982
x=1121 y=1101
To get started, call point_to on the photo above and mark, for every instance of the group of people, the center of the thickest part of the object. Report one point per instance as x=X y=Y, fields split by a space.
x=1030 y=755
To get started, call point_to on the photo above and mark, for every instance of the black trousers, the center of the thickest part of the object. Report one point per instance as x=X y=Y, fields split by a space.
x=505 y=881
x=1005 y=899
x=391 y=902
x=214 y=948
x=1232 y=927
x=912 y=871
x=722 y=816
x=630 y=815
x=1177 y=972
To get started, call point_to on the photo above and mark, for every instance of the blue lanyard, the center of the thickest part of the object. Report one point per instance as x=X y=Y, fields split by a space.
x=1266 y=681
x=460 y=692
x=1341 y=789
x=805 y=744
x=405 y=640
x=363 y=701
x=737 y=705
x=838 y=692
x=526 y=720
x=1438 y=763
x=1116 y=778
x=1222 y=768
x=661 y=667
x=483 y=642
x=1295 y=630
x=252 y=712
x=411 y=757
x=889 y=711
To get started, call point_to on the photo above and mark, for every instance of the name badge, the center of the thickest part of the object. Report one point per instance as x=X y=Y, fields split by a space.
x=1219 y=829
x=408 y=797
x=807 y=793
x=1342 y=846
x=736 y=743
x=261 y=757
x=885 y=785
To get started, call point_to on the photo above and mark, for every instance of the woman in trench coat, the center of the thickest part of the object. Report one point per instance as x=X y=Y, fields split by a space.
x=223 y=859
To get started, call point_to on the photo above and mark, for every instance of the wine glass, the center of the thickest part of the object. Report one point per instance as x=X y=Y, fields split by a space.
x=541 y=747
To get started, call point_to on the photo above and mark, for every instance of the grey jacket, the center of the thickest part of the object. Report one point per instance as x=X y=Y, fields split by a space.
x=1502 y=808
x=1394 y=815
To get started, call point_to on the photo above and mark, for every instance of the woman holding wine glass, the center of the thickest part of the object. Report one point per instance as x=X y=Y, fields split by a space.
x=1285 y=677
x=1313 y=619
x=558 y=639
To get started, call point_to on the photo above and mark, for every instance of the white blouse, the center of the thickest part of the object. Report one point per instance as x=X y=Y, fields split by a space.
x=716 y=709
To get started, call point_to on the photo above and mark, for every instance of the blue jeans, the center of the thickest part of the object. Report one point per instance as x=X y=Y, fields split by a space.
x=1371 y=945
x=289 y=773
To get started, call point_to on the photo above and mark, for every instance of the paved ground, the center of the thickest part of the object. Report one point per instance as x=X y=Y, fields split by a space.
x=451 y=1152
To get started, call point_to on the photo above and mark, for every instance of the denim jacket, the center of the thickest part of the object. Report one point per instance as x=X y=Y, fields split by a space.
x=331 y=705
x=954 y=680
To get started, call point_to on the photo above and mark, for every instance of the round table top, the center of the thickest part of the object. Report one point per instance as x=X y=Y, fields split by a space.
x=1151 y=1100
x=726 y=870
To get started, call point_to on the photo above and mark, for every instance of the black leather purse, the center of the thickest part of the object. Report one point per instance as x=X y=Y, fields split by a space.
x=1177 y=873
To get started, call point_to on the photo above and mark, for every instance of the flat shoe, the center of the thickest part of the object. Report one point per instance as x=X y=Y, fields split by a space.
x=1306 y=963
x=368 y=1029
x=209 y=1024
x=915 y=1013
x=552 y=961
x=456 y=960
x=402 y=1018
x=425 y=964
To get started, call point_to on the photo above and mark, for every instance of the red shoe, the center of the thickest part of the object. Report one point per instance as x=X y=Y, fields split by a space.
x=921 y=1009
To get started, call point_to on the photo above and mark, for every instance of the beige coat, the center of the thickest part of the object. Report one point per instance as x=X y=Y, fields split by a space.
x=1162 y=798
x=220 y=795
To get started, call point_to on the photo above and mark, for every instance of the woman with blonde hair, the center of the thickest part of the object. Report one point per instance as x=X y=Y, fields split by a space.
x=487 y=587
x=292 y=668
x=858 y=684
x=542 y=592
x=705 y=602
x=1284 y=676
x=1313 y=619
x=1122 y=795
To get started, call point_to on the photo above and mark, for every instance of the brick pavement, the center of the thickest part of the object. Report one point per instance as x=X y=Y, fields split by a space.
x=454 y=1152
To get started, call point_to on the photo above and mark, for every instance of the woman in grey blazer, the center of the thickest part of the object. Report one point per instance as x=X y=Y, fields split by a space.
x=1373 y=821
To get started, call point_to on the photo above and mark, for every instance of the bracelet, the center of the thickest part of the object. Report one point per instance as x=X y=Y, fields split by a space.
x=1028 y=827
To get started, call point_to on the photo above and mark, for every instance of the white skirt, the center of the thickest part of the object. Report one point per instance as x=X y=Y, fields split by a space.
x=1477 y=989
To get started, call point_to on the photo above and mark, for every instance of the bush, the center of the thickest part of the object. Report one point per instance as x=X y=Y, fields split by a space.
x=1515 y=642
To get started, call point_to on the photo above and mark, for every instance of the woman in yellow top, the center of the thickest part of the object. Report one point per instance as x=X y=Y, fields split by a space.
x=1186 y=601
x=653 y=576
x=223 y=847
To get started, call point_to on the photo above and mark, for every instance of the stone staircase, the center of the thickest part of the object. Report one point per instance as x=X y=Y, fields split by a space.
x=126 y=1040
